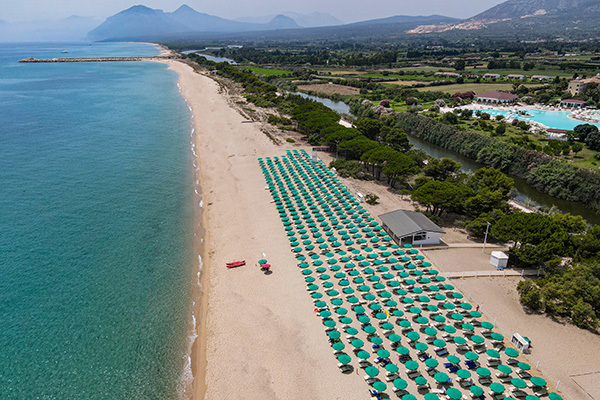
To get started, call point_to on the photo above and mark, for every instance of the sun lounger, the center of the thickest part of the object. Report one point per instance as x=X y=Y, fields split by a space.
x=512 y=361
x=453 y=369
x=523 y=374
x=485 y=381
x=412 y=374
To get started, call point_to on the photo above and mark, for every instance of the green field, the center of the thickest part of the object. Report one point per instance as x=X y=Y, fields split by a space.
x=471 y=87
x=267 y=71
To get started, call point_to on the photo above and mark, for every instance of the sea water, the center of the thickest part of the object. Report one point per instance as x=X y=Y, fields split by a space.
x=96 y=209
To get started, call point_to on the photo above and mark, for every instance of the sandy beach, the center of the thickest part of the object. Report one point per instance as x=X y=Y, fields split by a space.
x=262 y=339
x=258 y=334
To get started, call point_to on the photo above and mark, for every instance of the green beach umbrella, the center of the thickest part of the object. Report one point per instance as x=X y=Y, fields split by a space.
x=511 y=352
x=463 y=373
x=459 y=340
x=441 y=377
x=376 y=340
x=372 y=371
x=471 y=356
x=391 y=368
x=524 y=366
x=338 y=346
x=412 y=335
x=439 y=343
x=379 y=386
x=383 y=353
x=353 y=300
x=363 y=355
x=351 y=331
x=345 y=320
x=369 y=329
x=430 y=331
x=344 y=359
x=262 y=261
x=531 y=397
x=487 y=325
x=554 y=396
x=405 y=323
x=484 y=372
x=537 y=381
x=357 y=343
x=341 y=310
x=329 y=323
x=475 y=314
x=420 y=380
x=387 y=326
x=421 y=346
x=422 y=320
x=409 y=396
x=477 y=339
x=454 y=394
x=411 y=365
x=431 y=362
x=492 y=353
x=449 y=329
x=457 y=317
x=505 y=369
x=402 y=350
x=334 y=334
x=518 y=383
x=468 y=327
x=364 y=319
x=400 y=384
x=476 y=390
x=496 y=336
x=453 y=359
x=497 y=387
x=431 y=396
x=394 y=338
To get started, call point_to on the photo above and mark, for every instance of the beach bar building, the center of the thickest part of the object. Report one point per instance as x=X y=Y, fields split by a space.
x=411 y=227
x=496 y=97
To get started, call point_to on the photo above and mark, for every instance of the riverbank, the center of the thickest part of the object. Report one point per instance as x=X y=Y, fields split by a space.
x=259 y=337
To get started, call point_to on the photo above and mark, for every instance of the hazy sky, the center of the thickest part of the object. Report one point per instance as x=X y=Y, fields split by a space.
x=346 y=10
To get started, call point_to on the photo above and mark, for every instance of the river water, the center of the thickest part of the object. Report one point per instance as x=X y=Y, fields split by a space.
x=525 y=192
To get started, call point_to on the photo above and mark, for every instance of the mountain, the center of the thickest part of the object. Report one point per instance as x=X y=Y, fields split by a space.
x=73 y=28
x=311 y=20
x=407 y=19
x=196 y=21
x=138 y=22
x=529 y=19
x=518 y=9
x=281 y=22
x=143 y=23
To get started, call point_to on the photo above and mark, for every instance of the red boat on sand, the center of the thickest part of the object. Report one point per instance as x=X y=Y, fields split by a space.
x=236 y=264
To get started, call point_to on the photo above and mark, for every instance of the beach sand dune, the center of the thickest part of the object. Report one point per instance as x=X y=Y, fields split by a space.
x=263 y=340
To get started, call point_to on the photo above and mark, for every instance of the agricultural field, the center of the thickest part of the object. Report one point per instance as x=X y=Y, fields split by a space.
x=266 y=71
x=472 y=87
x=330 y=88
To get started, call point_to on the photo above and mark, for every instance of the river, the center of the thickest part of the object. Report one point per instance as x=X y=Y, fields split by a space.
x=525 y=192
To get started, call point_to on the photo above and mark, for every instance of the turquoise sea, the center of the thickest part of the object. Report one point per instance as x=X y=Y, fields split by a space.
x=96 y=226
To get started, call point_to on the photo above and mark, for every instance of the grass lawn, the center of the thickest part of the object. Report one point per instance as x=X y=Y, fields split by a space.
x=406 y=77
x=267 y=71
x=474 y=87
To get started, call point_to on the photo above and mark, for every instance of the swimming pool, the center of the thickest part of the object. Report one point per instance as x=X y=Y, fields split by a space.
x=551 y=119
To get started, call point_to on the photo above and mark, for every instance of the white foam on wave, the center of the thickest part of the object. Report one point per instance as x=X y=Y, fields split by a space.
x=187 y=377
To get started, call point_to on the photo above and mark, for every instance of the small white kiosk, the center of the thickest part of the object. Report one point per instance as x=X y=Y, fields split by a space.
x=499 y=259
x=520 y=342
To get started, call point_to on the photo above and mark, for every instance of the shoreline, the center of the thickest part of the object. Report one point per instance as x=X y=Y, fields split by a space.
x=196 y=352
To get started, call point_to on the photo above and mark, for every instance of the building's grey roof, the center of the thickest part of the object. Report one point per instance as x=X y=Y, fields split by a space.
x=403 y=223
